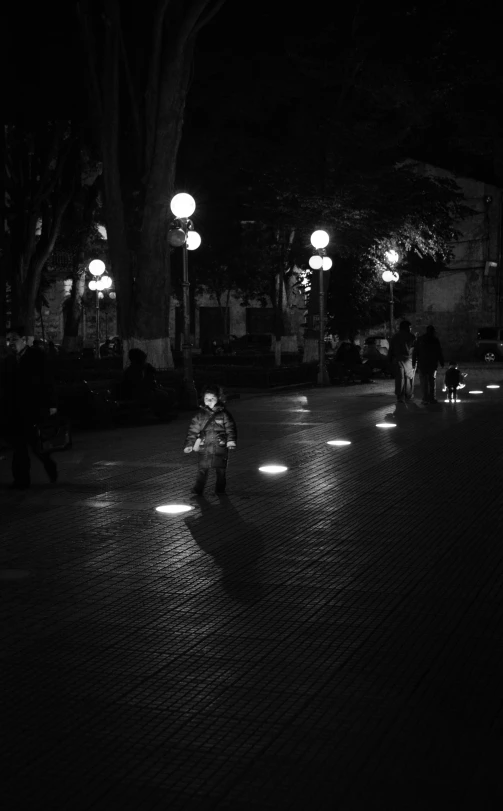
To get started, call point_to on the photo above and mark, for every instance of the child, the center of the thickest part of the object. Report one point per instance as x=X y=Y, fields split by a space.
x=212 y=433
x=453 y=379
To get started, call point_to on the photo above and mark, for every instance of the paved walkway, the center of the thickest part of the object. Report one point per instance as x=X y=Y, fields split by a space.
x=329 y=638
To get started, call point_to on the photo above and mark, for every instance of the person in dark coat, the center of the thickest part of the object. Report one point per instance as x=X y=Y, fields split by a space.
x=428 y=355
x=214 y=426
x=29 y=397
x=400 y=353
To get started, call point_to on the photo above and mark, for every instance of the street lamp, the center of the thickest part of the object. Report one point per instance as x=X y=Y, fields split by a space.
x=321 y=262
x=182 y=235
x=391 y=276
x=99 y=283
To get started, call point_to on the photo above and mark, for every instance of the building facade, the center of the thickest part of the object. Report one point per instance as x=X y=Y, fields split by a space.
x=467 y=295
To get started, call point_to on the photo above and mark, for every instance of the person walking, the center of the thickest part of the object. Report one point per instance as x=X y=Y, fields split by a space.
x=29 y=397
x=428 y=355
x=400 y=352
x=212 y=434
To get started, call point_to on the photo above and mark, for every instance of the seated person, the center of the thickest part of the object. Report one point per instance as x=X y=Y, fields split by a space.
x=139 y=384
x=376 y=360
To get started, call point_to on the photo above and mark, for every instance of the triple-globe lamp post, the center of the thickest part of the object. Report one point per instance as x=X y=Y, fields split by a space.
x=391 y=276
x=182 y=235
x=99 y=283
x=320 y=261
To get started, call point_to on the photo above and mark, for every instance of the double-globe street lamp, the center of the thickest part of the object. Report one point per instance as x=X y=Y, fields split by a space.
x=320 y=261
x=98 y=284
x=182 y=235
x=391 y=276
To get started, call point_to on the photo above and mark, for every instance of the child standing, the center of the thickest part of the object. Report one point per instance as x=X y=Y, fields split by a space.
x=453 y=378
x=212 y=433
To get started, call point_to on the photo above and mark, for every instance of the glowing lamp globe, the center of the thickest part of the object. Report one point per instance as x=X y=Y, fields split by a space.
x=183 y=205
x=106 y=282
x=113 y=295
x=96 y=267
x=193 y=240
x=319 y=239
x=176 y=237
x=315 y=262
x=387 y=276
x=92 y=285
x=99 y=284
x=392 y=257
x=327 y=263
x=101 y=295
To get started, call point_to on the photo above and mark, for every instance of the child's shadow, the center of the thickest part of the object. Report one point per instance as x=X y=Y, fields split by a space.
x=235 y=545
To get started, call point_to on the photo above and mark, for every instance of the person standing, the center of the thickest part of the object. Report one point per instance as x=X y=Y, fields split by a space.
x=428 y=355
x=29 y=397
x=212 y=433
x=400 y=353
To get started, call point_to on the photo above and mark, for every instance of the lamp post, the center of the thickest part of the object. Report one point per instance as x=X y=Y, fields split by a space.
x=182 y=235
x=321 y=262
x=99 y=283
x=391 y=276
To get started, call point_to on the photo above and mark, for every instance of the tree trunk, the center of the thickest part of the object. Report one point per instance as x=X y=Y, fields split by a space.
x=152 y=284
x=3 y=241
x=73 y=310
x=278 y=316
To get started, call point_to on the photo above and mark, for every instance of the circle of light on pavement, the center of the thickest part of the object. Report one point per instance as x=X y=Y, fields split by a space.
x=273 y=469
x=174 y=509
x=492 y=386
x=385 y=424
x=476 y=392
x=338 y=442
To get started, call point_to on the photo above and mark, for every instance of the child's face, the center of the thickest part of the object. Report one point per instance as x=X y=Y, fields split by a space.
x=210 y=400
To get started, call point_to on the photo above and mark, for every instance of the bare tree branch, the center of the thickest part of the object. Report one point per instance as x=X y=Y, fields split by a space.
x=152 y=88
x=83 y=13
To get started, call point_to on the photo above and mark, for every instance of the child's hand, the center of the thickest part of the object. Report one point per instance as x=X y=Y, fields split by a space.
x=231 y=446
x=187 y=450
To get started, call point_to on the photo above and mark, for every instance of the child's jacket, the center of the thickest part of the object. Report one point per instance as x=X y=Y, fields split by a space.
x=453 y=377
x=214 y=439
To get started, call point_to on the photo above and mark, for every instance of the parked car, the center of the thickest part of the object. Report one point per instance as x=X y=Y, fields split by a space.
x=489 y=344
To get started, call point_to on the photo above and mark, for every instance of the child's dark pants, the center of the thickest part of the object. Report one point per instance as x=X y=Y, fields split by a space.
x=202 y=477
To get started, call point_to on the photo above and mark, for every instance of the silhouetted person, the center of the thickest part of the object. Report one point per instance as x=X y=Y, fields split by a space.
x=106 y=349
x=139 y=384
x=29 y=397
x=375 y=359
x=428 y=355
x=400 y=353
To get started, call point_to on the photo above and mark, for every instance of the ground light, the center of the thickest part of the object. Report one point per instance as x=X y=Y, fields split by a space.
x=475 y=392
x=494 y=386
x=338 y=442
x=385 y=424
x=273 y=469
x=174 y=509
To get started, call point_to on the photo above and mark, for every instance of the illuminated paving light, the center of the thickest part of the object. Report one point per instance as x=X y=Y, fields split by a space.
x=273 y=469
x=174 y=509
x=494 y=386
x=338 y=442
x=476 y=392
x=385 y=424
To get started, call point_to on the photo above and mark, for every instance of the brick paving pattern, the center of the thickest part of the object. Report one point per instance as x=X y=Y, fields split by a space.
x=328 y=638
